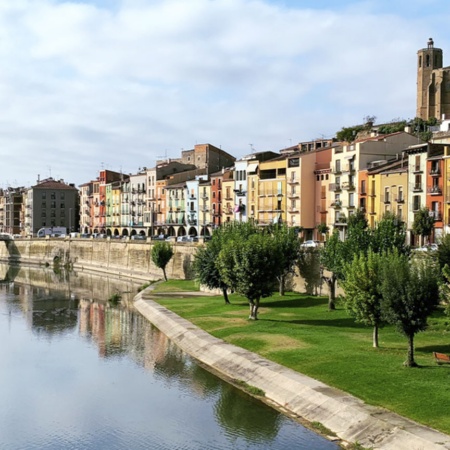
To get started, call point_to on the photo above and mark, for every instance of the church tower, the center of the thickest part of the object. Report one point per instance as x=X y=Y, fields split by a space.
x=429 y=61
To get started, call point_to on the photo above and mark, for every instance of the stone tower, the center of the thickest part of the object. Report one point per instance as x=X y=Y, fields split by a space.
x=433 y=83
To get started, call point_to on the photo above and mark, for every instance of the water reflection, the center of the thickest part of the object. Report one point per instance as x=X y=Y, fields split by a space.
x=141 y=391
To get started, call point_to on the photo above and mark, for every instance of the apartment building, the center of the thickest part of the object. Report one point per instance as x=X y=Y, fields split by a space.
x=346 y=163
x=51 y=203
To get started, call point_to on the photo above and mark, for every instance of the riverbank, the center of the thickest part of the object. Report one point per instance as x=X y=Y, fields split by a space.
x=346 y=416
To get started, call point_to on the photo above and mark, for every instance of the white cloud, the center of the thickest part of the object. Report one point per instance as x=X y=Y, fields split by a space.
x=83 y=85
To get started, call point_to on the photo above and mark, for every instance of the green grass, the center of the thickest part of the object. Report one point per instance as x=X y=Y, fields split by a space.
x=299 y=332
x=177 y=285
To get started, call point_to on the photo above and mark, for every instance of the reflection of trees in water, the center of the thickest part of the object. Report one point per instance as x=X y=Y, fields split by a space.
x=246 y=416
x=119 y=331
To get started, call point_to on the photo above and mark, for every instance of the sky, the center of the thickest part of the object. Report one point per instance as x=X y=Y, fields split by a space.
x=87 y=85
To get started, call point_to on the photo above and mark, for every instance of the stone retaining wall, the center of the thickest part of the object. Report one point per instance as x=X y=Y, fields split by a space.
x=128 y=258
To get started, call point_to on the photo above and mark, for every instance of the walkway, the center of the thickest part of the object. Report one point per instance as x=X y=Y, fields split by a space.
x=348 y=417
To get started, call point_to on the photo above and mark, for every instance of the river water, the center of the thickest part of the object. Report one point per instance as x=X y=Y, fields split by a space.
x=79 y=373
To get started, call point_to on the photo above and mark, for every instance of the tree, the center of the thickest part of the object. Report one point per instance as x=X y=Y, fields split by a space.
x=443 y=251
x=423 y=223
x=323 y=228
x=358 y=235
x=248 y=266
x=288 y=247
x=205 y=264
x=410 y=294
x=309 y=267
x=348 y=134
x=362 y=286
x=332 y=259
x=162 y=252
x=389 y=234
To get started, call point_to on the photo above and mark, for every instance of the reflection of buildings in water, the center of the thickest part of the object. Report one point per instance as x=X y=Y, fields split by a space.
x=155 y=347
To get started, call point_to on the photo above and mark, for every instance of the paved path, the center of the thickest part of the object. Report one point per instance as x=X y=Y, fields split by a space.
x=350 y=418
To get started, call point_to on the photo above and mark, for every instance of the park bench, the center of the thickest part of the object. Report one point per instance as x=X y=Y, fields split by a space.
x=441 y=358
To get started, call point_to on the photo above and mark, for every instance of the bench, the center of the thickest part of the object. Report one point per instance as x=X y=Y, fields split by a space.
x=441 y=358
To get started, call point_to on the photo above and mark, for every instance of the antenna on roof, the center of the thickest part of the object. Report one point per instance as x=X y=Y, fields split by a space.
x=252 y=148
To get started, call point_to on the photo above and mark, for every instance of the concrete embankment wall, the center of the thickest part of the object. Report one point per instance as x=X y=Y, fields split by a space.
x=124 y=258
x=127 y=258
x=348 y=417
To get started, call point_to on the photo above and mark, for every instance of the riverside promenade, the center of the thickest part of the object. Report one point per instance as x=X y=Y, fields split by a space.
x=303 y=397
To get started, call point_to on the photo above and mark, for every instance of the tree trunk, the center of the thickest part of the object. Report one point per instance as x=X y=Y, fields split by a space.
x=225 y=296
x=331 y=283
x=254 y=305
x=164 y=272
x=282 y=283
x=410 y=361
x=375 y=336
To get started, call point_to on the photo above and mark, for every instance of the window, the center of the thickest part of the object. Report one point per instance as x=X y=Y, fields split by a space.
x=61 y=195
x=351 y=200
x=400 y=194
x=53 y=196
x=363 y=186
x=44 y=195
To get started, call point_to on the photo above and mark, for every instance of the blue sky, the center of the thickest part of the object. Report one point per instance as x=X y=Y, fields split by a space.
x=116 y=84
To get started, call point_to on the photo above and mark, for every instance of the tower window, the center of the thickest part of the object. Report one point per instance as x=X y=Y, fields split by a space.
x=420 y=61
x=428 y=60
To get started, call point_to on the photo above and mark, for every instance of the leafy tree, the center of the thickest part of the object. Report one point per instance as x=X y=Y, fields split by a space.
x=248 y=266
x=423 y=223
x=392 y=127
x=288 y=247
x=205 y=263
x=389 y=234
x=443 y=251
x=358 y=235
x=348 y=134
x=162 y=253
x=332 y=258
x=445 y=288
x=309 y=267
x=323 y=228
x=410 y=294
x=362 y=286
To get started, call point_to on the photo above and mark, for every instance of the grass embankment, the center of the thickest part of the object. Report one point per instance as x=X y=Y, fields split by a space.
x=299 y=332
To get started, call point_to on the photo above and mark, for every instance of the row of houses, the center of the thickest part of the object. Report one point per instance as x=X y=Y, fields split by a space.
x=311 y=183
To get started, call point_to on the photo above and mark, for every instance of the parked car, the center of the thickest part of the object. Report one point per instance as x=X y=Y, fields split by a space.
x=309 y=244
x=171 y=238
x=184 y=239
x=139 y=237
x=158 y=237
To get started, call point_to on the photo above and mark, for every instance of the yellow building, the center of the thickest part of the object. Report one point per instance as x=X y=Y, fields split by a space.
x=272 y=191
x=227 y=197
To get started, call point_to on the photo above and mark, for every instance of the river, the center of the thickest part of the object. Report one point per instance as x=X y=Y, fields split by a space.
x=78 y=372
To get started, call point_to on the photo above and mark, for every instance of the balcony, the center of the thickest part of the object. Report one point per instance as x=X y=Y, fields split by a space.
x=336 y=204
x=239 y=193
x=417 y=169
x=293 y=181
x=348 y=186
x=293 y=195
x=435 y=172
x=434 y=190
x=337 y=170
x=335 y=187
x=417 y=188
x=387 y=199
x=437 y=216
x=400 y=200
x=340 y=221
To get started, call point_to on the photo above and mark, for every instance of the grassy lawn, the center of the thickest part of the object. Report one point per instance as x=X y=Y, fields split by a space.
x=299 y=332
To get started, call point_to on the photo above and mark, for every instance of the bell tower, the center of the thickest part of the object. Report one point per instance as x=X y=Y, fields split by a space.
x=428 y=60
